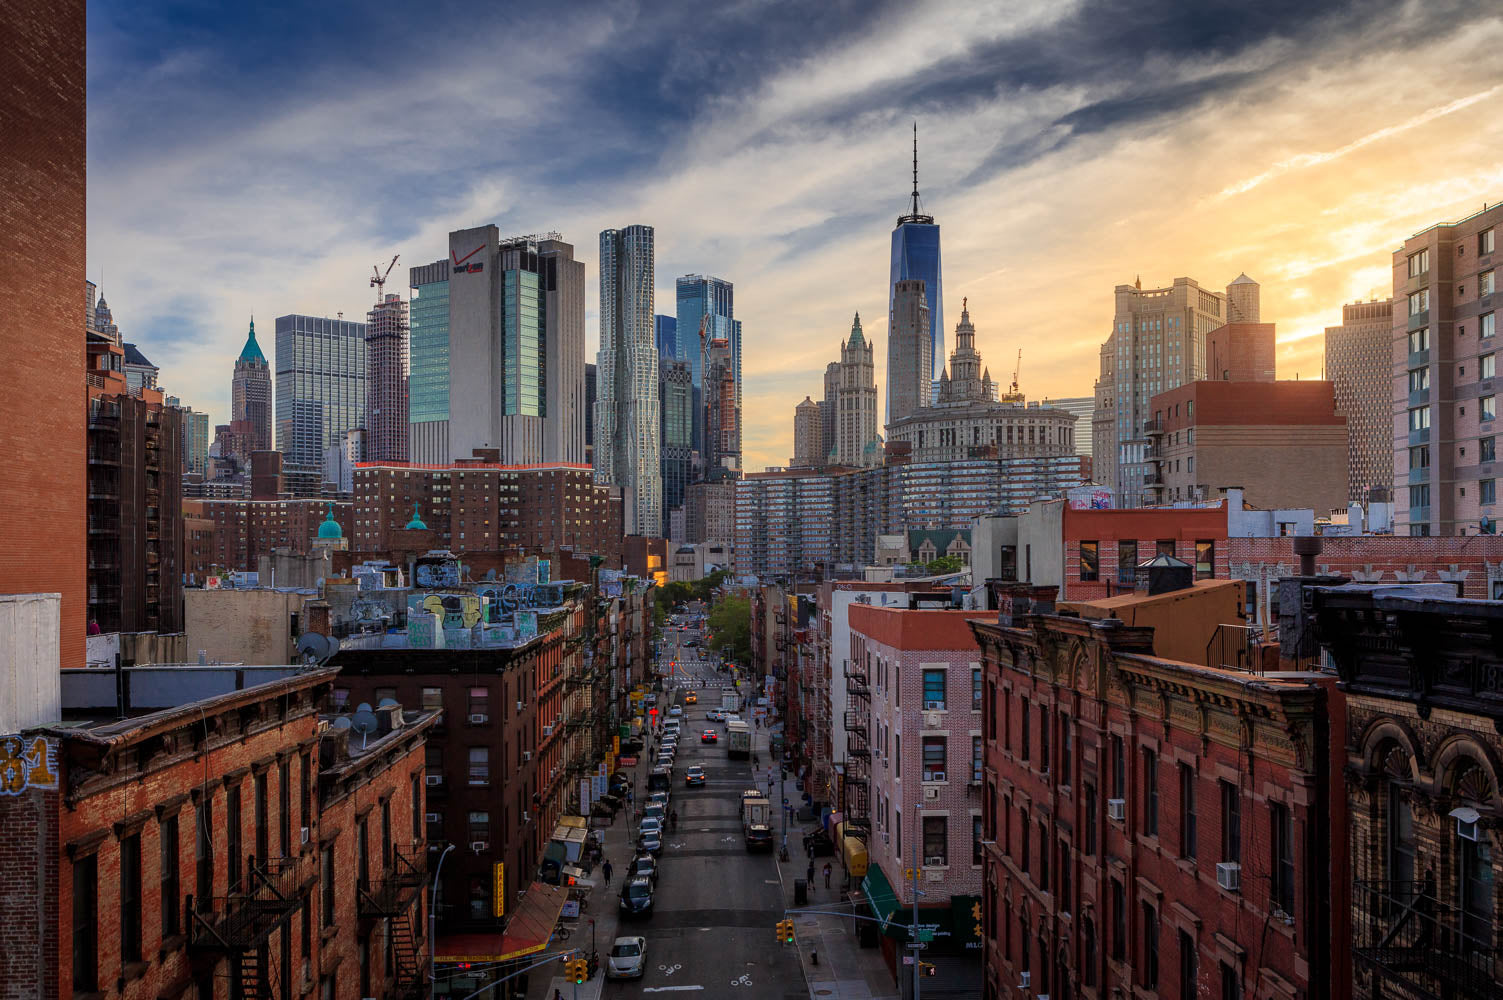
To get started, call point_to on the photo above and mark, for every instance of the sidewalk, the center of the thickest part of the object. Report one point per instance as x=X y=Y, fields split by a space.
x=845 y=970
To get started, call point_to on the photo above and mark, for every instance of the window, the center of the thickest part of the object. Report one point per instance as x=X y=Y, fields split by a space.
x=1485 y=242
x=480 y=765
x=1231 y=823
x=326 y=889
x=1419 y=418
x=934 y=758
x=1163 y=547
x=1419 y=263
x=1282 y=831
x=262 y=821
x=1119 y=922
x=203 y=853
x=130 y=898
x=1065 y=897
x=1090 y=820
x=1489 y=366
x=1489 y=407
x=1189 y=970
x=1419 y=340
x=1205 y=560
x=934 y=689
x=1487 y=449
x=897 y=755
x=1043 y=855
x=305 y=768
x=362 y=855
x=1419 y=496
x=1150 y=947
x=975 y=689
x=1127 y=562
x=171 y=877
x=1419 y=379
x=1231 y=983
x=232 y=842
x=1487 y=324
x=479 y=701
x=1090 y=561
x=1025 y=831
x=417 y=808
x=1187 y=811
x=1419 y=457
x=341 y=700
x=480 y=827
x=976 y=838
x=1119 y=769
x=433 y=699
x=284 y=806
x=936 y=840
x=85 y=925
x=976 y=760
x=1066 y=748
x=1487 y=491
x=1485 y=283
x=386 y=834
x=1151 y=792
x=1088 y=952
x=1044 y=738
x=1419 y=301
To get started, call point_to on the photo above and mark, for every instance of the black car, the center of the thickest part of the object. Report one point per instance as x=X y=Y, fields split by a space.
x=758 y=837
x=636 y=897
x=643 y=866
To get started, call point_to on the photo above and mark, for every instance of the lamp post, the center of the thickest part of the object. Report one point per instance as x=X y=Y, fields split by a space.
x=914 y=942
x=433 y=926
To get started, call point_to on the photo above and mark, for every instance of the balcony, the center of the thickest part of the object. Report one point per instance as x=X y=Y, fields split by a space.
x=1153 y=480
x=395 y=893
x=855 y=721
x=272 y=891
x=1153 y=428
x=1426 y=948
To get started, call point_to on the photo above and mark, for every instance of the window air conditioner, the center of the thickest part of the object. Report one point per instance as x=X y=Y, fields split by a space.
x=931 y=793
x=1116 y=809
x=479 y=720
x=521 y=705
x=1466 y=822
x=547 y=731
x=935 y=862
x=303 y=835
x=1027 y=980
x=885 y=836
x=527 y=755
x=433 y=779
x=479 y=845
x=432 y=817
x=935 y=776
x=934 y=706
x=1229 y=875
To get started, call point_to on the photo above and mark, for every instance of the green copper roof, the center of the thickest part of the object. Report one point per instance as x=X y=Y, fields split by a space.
x=416 y=524
x=252 y=350
x=856 y=337
x=330 y=528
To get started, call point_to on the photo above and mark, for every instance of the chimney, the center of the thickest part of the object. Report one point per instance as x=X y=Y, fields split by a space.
x=1016 y=601
x=1307 y=547
x=316 y=615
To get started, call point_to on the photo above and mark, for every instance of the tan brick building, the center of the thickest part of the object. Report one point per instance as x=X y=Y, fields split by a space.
x=1359 y=363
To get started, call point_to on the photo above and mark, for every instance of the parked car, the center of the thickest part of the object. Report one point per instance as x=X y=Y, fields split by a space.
x=643 y=866
x=652 y=843
x=636 y=898
x=628 y=958
x=651 y=824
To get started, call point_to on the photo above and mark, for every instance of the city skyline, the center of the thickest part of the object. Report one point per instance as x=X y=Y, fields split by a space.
x=804 y=158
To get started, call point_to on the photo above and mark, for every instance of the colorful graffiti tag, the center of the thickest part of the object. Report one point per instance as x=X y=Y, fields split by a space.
x=27 y=762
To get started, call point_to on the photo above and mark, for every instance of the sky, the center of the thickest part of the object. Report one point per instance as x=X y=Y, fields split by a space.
x=260 y=158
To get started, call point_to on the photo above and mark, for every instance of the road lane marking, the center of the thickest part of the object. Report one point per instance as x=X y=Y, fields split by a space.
x=669 y=989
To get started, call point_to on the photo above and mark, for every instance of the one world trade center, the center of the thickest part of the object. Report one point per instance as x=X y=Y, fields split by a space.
x=915 y=255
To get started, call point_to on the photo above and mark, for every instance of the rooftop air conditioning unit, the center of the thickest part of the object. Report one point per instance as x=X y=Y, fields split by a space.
x=1229 y=875
x=479 y=720
x=1116 y=809
x=479 y=845
x=432 y=817
x=433 y=779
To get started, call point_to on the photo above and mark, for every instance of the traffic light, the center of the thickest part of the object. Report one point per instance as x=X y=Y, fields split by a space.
x=785 y=931
x=927 y=969
x=577 y=970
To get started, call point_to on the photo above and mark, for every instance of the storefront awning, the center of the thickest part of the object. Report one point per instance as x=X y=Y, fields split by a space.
x=528 y=932
x=879 y=894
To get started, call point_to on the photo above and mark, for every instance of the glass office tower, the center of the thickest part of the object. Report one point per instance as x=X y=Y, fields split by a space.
x=428 y=380
x=699 y=296
x=320 y=388
x=915 y=254
x=669 y=349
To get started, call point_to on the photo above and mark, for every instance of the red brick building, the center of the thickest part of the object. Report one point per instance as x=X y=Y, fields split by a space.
x=245 y=530
x=1282 y=442
x=217 y=841
x=1241 y=352
x=42 y=241
x=1152 y=828
x=1103 y=548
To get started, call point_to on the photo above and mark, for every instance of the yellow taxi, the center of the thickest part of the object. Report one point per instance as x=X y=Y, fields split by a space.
x=691 y=698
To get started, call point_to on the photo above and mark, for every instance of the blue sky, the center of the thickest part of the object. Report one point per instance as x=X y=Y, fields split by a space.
x=260 y=158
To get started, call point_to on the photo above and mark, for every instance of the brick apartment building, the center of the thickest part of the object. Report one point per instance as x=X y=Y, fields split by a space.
x=1151 y=828
x=42 y=241
x=217 y=841
x=915 y=726
x=1284 y=443
x=246 y=530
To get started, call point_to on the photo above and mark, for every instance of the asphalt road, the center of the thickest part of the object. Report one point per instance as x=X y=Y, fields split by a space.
x=712 y=930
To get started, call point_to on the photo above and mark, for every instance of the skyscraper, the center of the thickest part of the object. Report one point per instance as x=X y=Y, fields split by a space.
x=915 y=255
x=515 y=379
x=589 y=427
x=706 y=305
x=195 y=441
x=320 y=386
x=676 y=393
x=250 y=394
x=386 y=402
x=910 y=366
x=1359 y=360
x=428 y=381
x=665 y=329
x=851 y=392
x=721 y=457
x=627 y=441
x=808 y=436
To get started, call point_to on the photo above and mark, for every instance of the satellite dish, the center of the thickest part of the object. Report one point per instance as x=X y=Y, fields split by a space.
x=316 y=648
x=388 y=703
x=343 y=722
x=364 y=722
x=490 y=574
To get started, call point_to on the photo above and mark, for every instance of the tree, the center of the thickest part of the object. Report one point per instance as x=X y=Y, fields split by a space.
x=730 y=629
x=944 y=565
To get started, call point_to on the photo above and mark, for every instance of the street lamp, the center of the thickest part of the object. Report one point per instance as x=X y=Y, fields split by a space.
x=433 y=926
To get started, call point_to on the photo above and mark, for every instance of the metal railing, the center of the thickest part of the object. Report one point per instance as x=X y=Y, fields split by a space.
x=1236 y=647
x=270 y=892
x=395 y=892
x=1402 y=931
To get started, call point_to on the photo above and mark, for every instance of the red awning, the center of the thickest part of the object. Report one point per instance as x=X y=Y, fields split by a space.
x=528 y=931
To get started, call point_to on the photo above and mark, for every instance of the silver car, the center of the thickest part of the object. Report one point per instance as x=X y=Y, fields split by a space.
x=628 y=958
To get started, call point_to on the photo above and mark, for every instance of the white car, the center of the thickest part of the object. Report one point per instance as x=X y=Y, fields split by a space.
x=675 y=711
x=628 y=958
x=650 y=824
x=715 y=715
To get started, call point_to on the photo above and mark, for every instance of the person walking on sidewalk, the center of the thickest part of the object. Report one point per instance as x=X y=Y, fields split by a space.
x=827 y=874
x=809 y=879
x=605 y=866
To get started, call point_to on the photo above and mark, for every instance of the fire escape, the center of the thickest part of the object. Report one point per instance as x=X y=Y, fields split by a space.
x=238 y=926
x=856 y=789
x=391 y=900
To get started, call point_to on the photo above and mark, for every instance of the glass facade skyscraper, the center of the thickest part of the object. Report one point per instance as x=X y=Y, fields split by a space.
x=666 y=330
x=700 y=296
x=428 y=345
x=628 y=420
x=915 y=255
x=522 y=324
x=320 y=390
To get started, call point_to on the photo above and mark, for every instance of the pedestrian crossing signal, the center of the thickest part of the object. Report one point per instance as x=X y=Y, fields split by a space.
x=927 y=969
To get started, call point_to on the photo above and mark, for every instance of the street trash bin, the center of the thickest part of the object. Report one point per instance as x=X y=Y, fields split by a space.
x=800 y=892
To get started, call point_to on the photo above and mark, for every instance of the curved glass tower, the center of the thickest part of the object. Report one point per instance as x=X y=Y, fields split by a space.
x=915 y=255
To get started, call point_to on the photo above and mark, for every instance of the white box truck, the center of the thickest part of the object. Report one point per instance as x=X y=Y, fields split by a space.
x=737 y=739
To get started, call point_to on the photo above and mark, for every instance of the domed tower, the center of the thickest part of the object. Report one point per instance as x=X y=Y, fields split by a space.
x=330 y=534
x=250 y=393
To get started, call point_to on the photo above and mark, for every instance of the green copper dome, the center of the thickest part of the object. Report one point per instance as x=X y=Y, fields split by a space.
x=416 y=524
x=252 y=350
x=330 y=528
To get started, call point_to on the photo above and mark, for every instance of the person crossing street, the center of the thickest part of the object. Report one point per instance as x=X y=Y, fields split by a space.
x=605 y=866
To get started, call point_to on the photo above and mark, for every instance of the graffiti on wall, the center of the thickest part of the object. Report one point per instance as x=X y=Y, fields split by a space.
x=27 y=762
x=509 y=597
x=456 y=610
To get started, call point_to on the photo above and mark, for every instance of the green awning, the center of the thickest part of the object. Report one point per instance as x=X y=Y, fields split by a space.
x=879 y=895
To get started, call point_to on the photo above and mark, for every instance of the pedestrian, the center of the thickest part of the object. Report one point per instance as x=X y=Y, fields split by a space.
x=809 y=878
x=827 y=874
x=605 y=866
x=557 y=995
x=630 y=795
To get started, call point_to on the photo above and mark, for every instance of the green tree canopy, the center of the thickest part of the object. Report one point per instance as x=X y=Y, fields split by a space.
x=730 y=629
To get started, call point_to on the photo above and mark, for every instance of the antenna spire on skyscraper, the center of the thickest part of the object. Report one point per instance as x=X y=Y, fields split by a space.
x=915 y=168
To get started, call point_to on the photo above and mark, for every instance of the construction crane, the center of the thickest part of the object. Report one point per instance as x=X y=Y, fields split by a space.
x=378 y=278
x=1013 y=395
